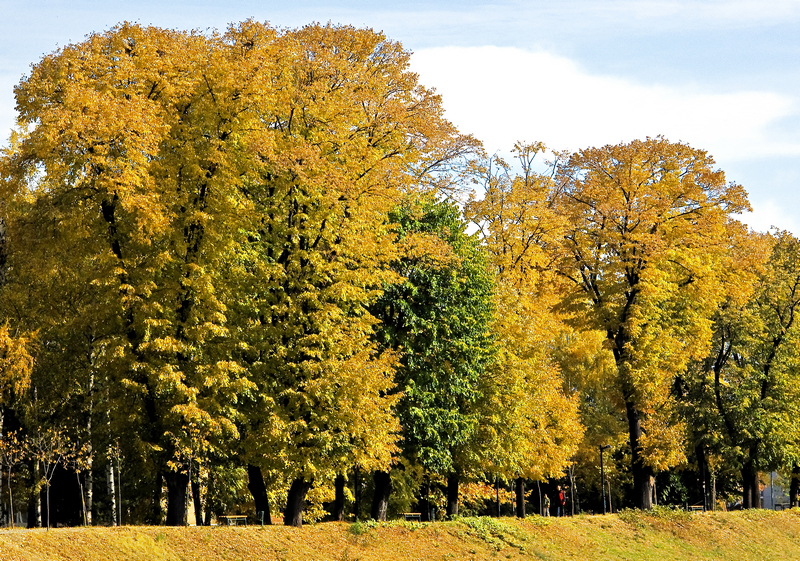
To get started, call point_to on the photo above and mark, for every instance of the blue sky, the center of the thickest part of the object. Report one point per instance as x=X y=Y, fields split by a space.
x=722 y=75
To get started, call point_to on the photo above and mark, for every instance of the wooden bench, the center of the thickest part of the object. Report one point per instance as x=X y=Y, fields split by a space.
x=695 y=508
x=409 y=516
x=234 y=519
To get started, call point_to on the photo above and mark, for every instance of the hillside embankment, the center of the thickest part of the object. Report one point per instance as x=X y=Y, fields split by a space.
x=660 y=535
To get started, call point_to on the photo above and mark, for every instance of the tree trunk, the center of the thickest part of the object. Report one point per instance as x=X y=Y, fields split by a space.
x=198 y=508
x=539 y=488
x=380 y=499
x=112 y=489
x=157 y=491
x=520 y=489
x=209 y=496
x=119 y=487
x=794 y=486
x=751 y=492
x=296 y=502
x=35 y=506
x=84 y=515
x=452 y=494
x=425 y=503
x=643 y=475
x=177 y=486
x=47 y=503
x=89 y=490
x=338 y=501
x=357 y=493
x=705 y=478
x=2 y=504
x=497 y=494
x=574 y=501
x=88 y=477
x=44 y=500
x=255 y=483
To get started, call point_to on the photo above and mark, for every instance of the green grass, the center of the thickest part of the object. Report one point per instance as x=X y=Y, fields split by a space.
x=661 y=534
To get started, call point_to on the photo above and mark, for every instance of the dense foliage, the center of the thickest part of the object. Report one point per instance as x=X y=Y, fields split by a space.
x=234 y=273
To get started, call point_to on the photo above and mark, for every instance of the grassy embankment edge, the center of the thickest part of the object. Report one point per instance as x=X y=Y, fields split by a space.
x=659 y=535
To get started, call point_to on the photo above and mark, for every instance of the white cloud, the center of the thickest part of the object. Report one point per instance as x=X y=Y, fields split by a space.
x=502 y=95
x=771 y=214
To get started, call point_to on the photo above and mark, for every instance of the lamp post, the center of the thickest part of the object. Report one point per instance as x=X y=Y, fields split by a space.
x=603 y=475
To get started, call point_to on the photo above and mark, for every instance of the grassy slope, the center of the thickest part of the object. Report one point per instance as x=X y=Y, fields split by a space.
x=755 y=535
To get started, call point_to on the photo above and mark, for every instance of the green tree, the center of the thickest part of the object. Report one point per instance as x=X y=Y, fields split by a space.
x=439 y=317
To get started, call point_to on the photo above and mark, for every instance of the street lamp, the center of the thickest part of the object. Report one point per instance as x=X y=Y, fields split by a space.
x=603 y=475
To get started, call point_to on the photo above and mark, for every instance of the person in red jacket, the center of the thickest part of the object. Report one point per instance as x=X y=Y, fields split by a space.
x=561 y=500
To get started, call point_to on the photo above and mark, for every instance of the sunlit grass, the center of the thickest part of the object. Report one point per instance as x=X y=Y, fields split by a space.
x=662 y=534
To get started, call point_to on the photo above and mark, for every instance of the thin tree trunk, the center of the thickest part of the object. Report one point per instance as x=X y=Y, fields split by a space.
x=713 y=492
x=338 y=501
x=539 y=487
x=794 y=486
x=209 y=497
x=34 y=506
x=452 y=494
x=157 y=491
x=10 y=498
x=177 y=486
x=255 y=483
x=1 y=465
x=357 y=493
x=497 y=494
x=37 y=502
x=198 y=508
x=89 y=489
x=119 y=485
x=296 y=502
x=47 y=493
x=380 y=498
x=88 y=492
x=520 y=492
x=112 y=489
x=83 y=499
x=188 y=494
x=573 y=495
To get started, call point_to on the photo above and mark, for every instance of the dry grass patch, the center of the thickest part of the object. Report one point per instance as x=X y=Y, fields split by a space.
x=631 y=535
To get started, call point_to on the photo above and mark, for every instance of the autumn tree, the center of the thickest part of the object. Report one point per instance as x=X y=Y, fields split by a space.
x=743 y=396
x=644 y=222
x=210 y=214
x=116 y=151
x=346 y=136
x=531 y=429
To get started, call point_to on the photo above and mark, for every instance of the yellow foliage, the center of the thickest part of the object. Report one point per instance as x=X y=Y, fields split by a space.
x=534 y=428
x=16 y=365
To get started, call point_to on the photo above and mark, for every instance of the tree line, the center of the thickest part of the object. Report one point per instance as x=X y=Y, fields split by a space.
x=258 y=270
